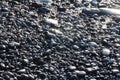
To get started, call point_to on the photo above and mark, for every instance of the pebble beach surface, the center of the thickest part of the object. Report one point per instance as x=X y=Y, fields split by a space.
x=60 y=40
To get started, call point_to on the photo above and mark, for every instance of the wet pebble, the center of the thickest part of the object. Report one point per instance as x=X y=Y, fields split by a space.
x=93 y=44
x=51 y=21
x=110 y=11
x=80 y=73
x=22 y=71
x=87 y=0
x=93 y=79
x=31 y=77
x=2 y=66
x=76 y=47
x=25 y=62
x=45 y=1
x=2 y=47
x=44 y=10
x=115 y=71
x=56 y=31
x=4 y=10
x=13 y=44
x=89 y=69
x=72 y=67
x=105 y=52
x=94 y=3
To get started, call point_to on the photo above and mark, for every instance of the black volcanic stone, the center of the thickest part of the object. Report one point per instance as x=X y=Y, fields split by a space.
x=31 y=77
x=82 y=43
x=42 y=76
x=61 y=9
x=23 y=77
x=44 y=10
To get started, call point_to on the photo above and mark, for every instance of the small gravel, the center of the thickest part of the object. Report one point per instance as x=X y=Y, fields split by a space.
x=59 y=40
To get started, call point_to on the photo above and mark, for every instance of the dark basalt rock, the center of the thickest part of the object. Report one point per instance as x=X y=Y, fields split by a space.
x=42 y=76
x=61 y=9
x=23 y=77
x=43 y=10
x=36 y=5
